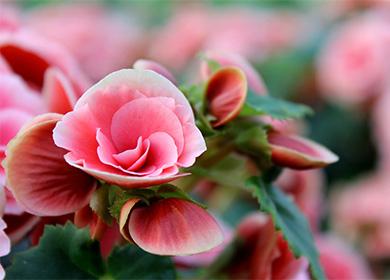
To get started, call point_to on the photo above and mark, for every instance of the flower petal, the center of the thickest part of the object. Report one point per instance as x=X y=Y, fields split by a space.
x=225 y=93
x=174 y=227
x=40 y=179
x=299 y=153
x=147 y=82
x=124 y=218
x=144 y=64
x=58 y=92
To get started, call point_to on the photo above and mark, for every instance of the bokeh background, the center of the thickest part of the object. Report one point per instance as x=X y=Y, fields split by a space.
x=331 y=55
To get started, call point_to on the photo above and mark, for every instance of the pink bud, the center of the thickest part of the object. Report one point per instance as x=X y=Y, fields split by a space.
x=225 y=93
x=298 y=153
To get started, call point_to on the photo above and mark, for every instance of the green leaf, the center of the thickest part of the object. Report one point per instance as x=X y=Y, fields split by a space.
x=100 y=202
x=131 y=262
x=230 y=171
x=289 y=220
x=171 y=191
x=64 y=252
x=254 y=142
x=274 y=107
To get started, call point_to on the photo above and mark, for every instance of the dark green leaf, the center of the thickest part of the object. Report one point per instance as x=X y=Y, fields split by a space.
x=289 y=220
x=130 y=262
x=274 y=107
x=64 y=252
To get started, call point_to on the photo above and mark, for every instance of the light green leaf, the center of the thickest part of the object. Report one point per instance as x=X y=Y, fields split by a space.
x=274 y=107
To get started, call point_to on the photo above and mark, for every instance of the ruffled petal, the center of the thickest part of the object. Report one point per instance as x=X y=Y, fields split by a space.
x=41 y=181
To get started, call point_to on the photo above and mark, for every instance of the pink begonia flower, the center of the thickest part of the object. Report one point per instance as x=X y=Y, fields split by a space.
x=368 y=224
x=166 y=44
x=30 y=55
x=306 y=189
x=109 y=135
x=134 y=128
x=89 y=31
x=225 y=94
x=264 y=254
x=339 y=261
x=169 y=226
x=352 y=66
x=298 y=153
x=226 y=59
x=145 y=64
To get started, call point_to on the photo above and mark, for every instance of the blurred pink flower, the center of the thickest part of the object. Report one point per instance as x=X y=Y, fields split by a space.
x=352 y=66
x=101 y=41
x=380 y=124
x=247 y=32
x=29 y=55
x=265 y=254
x=340 y=261
x=361 y=212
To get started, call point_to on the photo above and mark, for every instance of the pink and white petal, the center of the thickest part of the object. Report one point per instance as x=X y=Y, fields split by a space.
x=145 y=64
x=116 y=177
x=194 y=145
x=174 y=227
x=124 y=218
x=299 y=153
x=147 y=82
x=58 y=92
x=225 y=94
x=76 y=132
x=40 y=180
